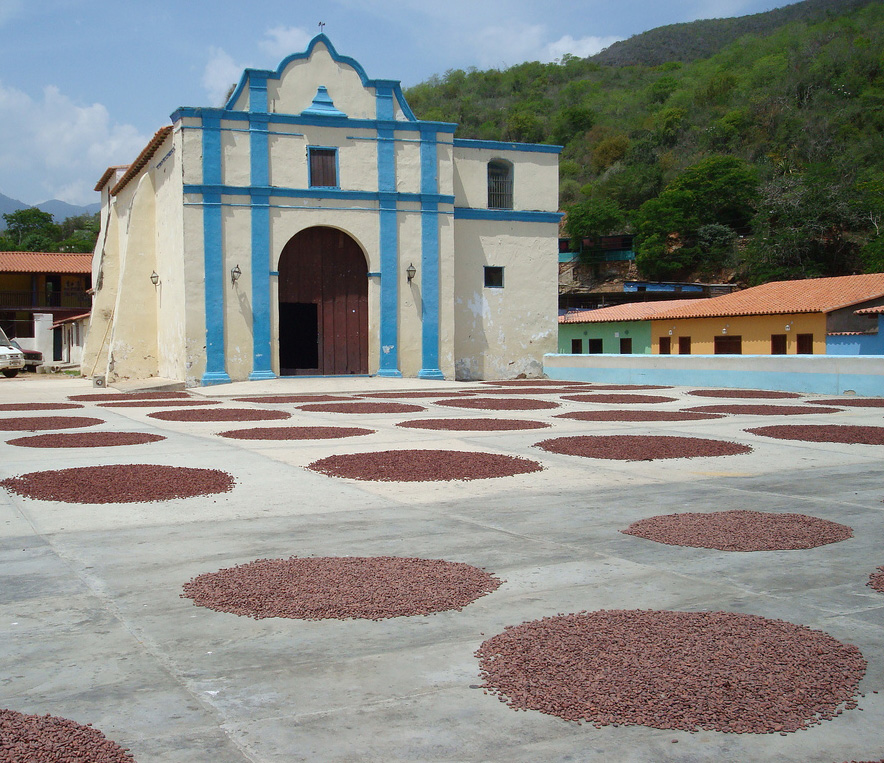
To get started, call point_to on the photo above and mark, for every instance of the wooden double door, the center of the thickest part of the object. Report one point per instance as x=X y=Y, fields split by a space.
x=323 y=305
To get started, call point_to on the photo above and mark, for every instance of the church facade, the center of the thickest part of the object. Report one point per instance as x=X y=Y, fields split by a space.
x=314 y=225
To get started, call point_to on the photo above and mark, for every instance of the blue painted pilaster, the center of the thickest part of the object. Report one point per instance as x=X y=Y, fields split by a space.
x=213 y=254
x=389 y=237
x=429 y=260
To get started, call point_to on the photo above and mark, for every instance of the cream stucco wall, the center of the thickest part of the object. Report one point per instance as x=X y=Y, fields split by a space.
x=504 y=332
x=535 y=178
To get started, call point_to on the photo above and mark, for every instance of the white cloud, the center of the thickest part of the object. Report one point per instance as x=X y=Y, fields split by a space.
x=220 y=73
x=582 y=47
x=282 y=41
x=53 y=148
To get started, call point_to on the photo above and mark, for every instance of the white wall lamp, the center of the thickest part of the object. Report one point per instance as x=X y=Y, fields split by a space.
x=411 y=272
x=788 y=327
x=726 y=327
x=235 y=273
x=154 y=278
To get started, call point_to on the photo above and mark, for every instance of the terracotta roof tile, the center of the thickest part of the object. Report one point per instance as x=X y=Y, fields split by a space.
x=630 y=311
x=143 y=158
x=45 y=262
x=108 y=174
x=812 y=295
x=70 y=319
x=878 y=310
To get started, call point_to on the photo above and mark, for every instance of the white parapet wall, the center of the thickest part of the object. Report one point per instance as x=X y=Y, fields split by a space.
x=817 y=374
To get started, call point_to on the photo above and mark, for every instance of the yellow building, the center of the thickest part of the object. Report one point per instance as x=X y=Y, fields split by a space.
x=778 y=318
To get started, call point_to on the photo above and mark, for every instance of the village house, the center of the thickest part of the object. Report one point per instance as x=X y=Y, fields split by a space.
x=314 y=225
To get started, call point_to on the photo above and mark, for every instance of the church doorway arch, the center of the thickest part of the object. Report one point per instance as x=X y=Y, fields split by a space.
x=323 y=304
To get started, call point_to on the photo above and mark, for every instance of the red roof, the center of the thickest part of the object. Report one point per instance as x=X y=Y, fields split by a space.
x=46 y=262
x=630 y=311
x=143 y=158
x=877 y=310
x=70 y=319
x=108 y=174
x=811 y=295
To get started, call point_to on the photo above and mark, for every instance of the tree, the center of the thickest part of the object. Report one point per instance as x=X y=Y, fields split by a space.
x=593 y=218
x=31 y=230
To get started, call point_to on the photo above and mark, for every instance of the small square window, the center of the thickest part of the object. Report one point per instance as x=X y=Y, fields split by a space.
x=323 y=167
x=493 y=277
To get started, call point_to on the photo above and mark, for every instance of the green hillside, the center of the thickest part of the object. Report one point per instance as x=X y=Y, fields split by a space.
x=767 y=157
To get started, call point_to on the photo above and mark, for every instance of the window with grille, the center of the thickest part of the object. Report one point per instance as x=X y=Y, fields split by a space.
x=805 y=344
x=323 y=167
x=778 y=344
x=500 y=184
x=684 y=345
x=665 y=345
x=493 y=277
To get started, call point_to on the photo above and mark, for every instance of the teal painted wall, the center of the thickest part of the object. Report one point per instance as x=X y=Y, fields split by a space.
x=610 y=333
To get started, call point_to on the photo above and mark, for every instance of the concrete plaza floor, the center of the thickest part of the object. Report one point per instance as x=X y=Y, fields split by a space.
x=93 y=628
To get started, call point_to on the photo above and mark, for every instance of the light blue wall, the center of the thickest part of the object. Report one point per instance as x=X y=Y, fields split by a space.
x=857 y=344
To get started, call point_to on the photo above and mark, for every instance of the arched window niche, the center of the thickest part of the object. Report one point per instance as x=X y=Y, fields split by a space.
x=500 y=184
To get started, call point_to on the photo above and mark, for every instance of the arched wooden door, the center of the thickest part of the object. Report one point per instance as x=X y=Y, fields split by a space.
x=323 y=304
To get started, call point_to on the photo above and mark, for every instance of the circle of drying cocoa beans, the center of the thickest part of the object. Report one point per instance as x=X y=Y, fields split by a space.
x=627 y=447
x=532 y=383
x=852 y=402
x=341 y=588
x=762 y=410
x=619 y=399
x=638 y=416
x=740 y=530
x=473 y=425
x=692 y=671
x=157 y=403
x=366 y=407
x=123 y=483
x=102 y=396
x=626 y=387
x=38 y=406
x=404 y=395
x=876 y=580
x=34 y=423
x=290 y=399
x=527 y=391
x=294 y=433
x=842 y=433
x=85 y=440
x=220 y=414
x=498 y=404
x=423 y=466
x=50 y=739
x=761 y=394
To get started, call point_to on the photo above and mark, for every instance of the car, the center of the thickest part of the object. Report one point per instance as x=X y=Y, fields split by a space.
x=12 y=359
x=33 y=358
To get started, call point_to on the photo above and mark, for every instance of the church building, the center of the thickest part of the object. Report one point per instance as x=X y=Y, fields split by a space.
x=313 y=225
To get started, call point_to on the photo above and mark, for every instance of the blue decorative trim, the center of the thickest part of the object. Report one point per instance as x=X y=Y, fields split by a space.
x=261 y=347
x=384 y=102
x=213 y=277
x=374 y=274
x=497 y=145
x=316 y=193
x=506 y=215
x=322 y=105
x=389 y=244
x=429 y=261
x=274 y=273
x=258 y=94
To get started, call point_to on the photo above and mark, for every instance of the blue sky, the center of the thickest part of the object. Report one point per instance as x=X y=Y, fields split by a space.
x=85 y=83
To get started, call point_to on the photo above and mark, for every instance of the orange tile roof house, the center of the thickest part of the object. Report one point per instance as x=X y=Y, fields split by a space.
x=777 y=318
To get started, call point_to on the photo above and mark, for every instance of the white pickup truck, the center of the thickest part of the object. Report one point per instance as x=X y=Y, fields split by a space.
x=12 y=360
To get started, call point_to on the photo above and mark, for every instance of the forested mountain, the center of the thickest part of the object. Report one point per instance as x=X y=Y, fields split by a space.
x=766 y=157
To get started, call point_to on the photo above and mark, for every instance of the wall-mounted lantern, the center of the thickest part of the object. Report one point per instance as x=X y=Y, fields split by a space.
x=411 y=272
x=154 y=278
x=235 y=273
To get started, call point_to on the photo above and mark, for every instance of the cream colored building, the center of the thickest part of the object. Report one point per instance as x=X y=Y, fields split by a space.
x=313 y=225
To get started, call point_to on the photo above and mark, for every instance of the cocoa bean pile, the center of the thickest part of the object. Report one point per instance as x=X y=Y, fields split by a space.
x=852 y=402
x=341 y=588
x=712 y=671
x=740 y=530
x=745 y=393
x=289 y=399
x=124 y=483
x=156 y=403
x=294 y=433
x=640 y=447
x=498 y=404
x=423 y=465
x=843 y=433
x=220 y=414
x=86 y=440
x=405 y=395
x=50 y=739
x=626 y=387
x=876 y=580
x=473 y=425
x=527 y=391
x=101 y=396
x=363 y=408
x=35 y=423
x=534 y=383
x=38 y=406
x=620 y=399
x=637 y=416
x=762 y=410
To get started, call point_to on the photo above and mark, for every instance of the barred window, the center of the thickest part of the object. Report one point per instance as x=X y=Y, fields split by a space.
x=500 y=184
